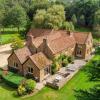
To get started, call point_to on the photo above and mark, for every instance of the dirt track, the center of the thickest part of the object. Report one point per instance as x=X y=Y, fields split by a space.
x=5 y=51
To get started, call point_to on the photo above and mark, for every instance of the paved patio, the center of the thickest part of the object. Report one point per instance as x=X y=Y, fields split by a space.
x=5 y=51
x=66 y=73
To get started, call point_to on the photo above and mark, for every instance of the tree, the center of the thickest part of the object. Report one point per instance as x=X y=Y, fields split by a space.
x=74 y=19
x=16 y=17
x=82 y=20
x=39 y=18
x=97 y=17
x=1 y=17
x=97 y=21
x=55 y=16
x=91 y=94
x=16 y=44
x=82 y=7
x=68 y=26
x=37 y=5
x=93 y=70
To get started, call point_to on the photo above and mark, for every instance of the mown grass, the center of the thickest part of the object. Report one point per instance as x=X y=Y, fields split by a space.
x=79 y=81
x=8 y=34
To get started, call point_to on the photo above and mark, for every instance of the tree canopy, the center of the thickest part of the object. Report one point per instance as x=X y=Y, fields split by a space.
x=16 y=17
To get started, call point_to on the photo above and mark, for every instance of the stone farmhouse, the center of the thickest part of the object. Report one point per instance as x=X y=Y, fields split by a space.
x=43 y=45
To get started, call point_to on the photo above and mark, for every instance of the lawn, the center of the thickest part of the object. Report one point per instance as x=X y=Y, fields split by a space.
x=79 y=81
x=8 y=34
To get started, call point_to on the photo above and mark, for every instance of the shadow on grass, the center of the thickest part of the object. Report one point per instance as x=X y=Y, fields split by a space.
x=6 y=87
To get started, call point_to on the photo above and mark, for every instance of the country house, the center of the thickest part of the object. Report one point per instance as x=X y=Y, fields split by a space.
x=43 y=45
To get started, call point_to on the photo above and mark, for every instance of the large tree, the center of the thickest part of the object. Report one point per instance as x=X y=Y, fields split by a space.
x=55 y=16
x=16 y=17
x=83 y=7
x=91 y=94
x=93 y=69
x=40 y=18
x=52 y=18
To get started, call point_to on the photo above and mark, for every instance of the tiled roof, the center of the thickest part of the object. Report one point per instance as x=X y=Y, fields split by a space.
x=40 y=60
x=60 y=44
x=40 y=34
x=22 y=54
x=57 y=39
x=81 y=37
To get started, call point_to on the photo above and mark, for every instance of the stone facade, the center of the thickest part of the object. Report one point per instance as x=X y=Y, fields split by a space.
x=37 y=73
x=14 y=63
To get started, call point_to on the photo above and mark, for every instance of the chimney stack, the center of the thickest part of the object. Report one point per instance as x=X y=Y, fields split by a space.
x=30 y=38
x=69 y=33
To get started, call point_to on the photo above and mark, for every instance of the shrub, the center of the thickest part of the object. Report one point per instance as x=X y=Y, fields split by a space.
x=21 y=90
x=53 y=68
x=64 y=62
x=16 y=44
x=30 y=85
x=70 y=59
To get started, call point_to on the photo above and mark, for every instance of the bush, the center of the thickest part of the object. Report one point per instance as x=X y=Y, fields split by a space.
x=53 y=68
x=70 y=59
x=21 y=90
x=64 y=62
x=30 y=85
x=16 y=44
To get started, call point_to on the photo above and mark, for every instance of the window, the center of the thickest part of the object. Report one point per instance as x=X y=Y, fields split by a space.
x=15 y=64
x=30 y=70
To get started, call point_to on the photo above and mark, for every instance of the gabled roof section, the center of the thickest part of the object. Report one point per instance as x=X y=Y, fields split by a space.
x=61 y=44
x=40 y=60
x=81 y=37
x=22 y=54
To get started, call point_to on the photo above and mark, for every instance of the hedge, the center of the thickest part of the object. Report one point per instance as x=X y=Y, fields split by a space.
x=12 y=79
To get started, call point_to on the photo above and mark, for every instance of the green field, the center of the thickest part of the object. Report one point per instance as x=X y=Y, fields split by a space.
x=79 y=81
x=8 y=35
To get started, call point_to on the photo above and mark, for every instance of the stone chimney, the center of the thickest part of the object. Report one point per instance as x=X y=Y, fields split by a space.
x=70 y=33
x=45 y=41
x=30 y=38
x=44 y=44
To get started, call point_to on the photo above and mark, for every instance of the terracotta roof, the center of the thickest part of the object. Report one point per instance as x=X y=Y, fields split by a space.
x=45 y=32
x=22 y=54
x=60 y=44
x=57 y=39
x=40 y=34
x=40 y=60
x=81 y=37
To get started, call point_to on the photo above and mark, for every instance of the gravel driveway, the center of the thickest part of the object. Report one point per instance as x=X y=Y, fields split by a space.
x=5 y=51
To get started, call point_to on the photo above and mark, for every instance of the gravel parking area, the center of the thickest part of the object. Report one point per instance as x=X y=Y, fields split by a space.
x=5 y=51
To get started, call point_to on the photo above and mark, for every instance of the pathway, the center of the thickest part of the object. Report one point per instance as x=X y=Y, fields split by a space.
x=5 y=51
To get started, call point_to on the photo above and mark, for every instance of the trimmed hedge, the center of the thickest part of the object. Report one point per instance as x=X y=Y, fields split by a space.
x=12 y=79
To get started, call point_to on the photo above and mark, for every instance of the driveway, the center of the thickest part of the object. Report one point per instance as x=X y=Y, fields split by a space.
x=5 y=51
